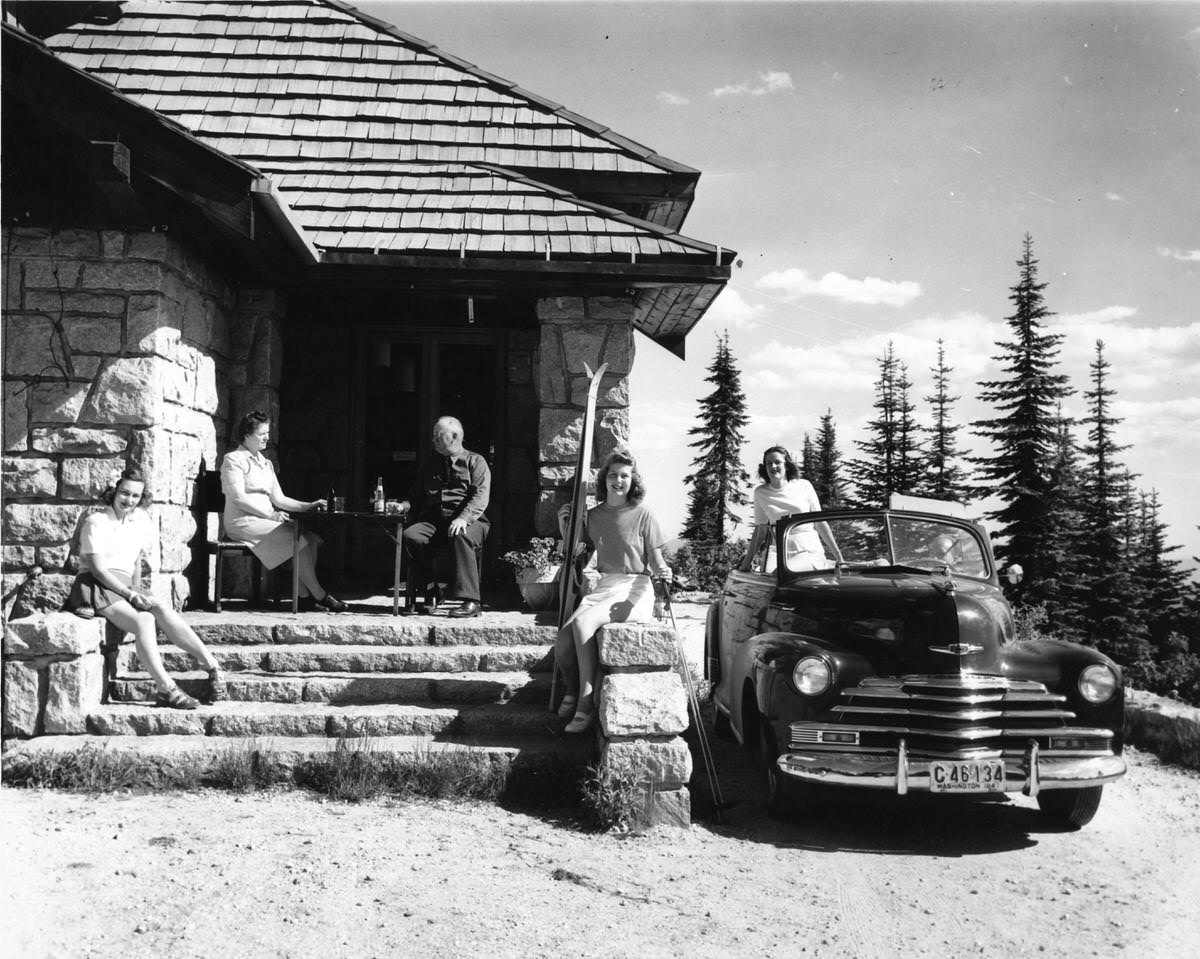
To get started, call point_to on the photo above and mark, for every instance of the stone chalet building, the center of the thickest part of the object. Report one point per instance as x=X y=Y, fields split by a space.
x=292 y=206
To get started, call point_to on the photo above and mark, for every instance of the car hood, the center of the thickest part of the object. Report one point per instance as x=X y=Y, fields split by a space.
x=903 y=621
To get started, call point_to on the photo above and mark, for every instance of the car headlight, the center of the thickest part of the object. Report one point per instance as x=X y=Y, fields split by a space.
x=1097 y=684
x=812 y=675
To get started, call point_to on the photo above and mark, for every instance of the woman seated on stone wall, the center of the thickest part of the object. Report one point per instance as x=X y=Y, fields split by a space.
x=111 y=544
x=253 y=512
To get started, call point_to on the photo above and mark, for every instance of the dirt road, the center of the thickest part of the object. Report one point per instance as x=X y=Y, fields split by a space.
x=213 y=874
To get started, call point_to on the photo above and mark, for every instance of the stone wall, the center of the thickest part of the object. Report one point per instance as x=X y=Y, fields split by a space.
x=575 y=331
x=119 y=347
x=53 y=674
x=643 y=714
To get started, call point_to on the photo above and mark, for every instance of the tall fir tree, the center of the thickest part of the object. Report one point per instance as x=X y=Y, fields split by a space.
x=1024 y=433
x=910 y=457
x=1062 y=589
x=943 y=477
x=1112 y=620
x=1160 y=581
x=719 y=481
x=827 y=481
x=874 y=474
x=808 y=460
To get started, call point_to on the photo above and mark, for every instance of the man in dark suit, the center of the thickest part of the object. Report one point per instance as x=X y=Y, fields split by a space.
x=448 y=499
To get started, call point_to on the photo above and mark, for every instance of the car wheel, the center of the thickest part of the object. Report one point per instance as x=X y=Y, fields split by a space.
x=1070 y=807
x=779 y=792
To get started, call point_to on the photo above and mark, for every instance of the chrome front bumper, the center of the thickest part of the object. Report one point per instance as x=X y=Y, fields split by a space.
x=1028 y=774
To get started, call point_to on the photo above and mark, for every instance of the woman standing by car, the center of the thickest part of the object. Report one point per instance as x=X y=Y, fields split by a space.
x=111 y=543
x=628 y=545
x=782 y=492
x=253 y=511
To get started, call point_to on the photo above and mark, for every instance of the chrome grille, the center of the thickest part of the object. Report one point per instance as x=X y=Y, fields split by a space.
x=952 y=715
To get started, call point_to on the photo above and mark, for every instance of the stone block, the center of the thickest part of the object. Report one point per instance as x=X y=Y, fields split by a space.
x=614 y=391
x=147 y=246
x=27 y=338
x=16 y=417
x=55 y=401
x=85 y=367
x=70 y=439
x=618 y=309
x=49 y=634
x=664 y=762
x=559 y=308
x=53 y=557
x=87 y=478
x=29 y=477
x=39 y=522
x=612 y=432
x=21 y=706
x=178 y=384
x=112 y=243
x=40 y=594
x=619 y=349
x=624 y=645
x=207 y=395
x=643 y=704
x=82 y=243
x=72 y=692
x=582 y=344
x=27 y=241
x=52 y=274
x=671 y=807
x=128 y=390
x=74 y=301
x=559 y=433
x=129 y=275
x=93 y=334
x=18 y=558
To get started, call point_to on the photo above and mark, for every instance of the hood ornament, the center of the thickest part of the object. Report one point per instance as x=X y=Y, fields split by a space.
x=957 y=649
x=942 y=578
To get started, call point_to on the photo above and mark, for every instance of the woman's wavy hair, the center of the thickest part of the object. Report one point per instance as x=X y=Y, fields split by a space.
x=133 y=474
x=250 y=422
x=790 y=470
x=637 y=488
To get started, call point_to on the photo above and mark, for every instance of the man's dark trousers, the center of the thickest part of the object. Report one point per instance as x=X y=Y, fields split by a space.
x=423 y=537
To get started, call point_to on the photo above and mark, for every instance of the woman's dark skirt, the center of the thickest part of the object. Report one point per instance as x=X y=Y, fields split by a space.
x=87 y=591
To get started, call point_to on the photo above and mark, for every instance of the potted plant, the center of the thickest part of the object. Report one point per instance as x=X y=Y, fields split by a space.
x=536 y=569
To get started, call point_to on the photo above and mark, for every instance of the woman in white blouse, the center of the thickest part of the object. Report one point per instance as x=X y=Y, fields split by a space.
x=111 y=542
x=254 y=511
x=783 y=492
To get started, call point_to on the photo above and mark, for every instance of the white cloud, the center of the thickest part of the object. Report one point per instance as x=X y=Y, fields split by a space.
x=1096 y=318
x=1174 y=253
x=1115 y=197
x=669 y=99
x=795 y=283
x=732 y=311
x=771 y=81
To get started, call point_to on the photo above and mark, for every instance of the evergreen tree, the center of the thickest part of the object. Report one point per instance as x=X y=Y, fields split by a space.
x=1064 y=586
x=828 y=482
x=1024 y=433
x=719 y=481
x=808 y=460
x=874 y=475
x=943 y=477
x=1159 y=581
x=1112 y=620
x=909 y=454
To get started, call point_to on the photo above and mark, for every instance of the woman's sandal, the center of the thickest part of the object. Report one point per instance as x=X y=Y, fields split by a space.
x=580 y=723
x=567 y=708
x=176 y=698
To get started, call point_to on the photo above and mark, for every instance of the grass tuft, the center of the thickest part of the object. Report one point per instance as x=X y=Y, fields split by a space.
x=616 y=801
x=95 y=770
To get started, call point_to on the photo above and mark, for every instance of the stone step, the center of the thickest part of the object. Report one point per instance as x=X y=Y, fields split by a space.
x=356 y=630
x=285 y=753
x=359 y=659
x=342 y=688
x=323 y=719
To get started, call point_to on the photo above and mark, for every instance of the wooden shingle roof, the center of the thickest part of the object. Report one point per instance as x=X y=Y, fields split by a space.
x=376 y=140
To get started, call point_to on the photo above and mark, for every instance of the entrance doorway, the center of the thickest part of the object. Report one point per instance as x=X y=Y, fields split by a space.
x=409 y=380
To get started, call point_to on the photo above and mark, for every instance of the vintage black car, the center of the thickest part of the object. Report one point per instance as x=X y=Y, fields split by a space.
x=879 y=652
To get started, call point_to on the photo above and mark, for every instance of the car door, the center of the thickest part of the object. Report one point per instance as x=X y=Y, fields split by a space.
x=744 y=599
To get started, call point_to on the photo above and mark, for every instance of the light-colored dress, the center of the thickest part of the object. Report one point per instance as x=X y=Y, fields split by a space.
x=804 y=547
x=624 y=538
x=252 y=476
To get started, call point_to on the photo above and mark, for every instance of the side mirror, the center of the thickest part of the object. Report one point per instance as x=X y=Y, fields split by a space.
x=1014 y=574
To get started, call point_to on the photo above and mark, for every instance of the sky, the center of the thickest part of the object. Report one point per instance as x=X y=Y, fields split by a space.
x=876 y=166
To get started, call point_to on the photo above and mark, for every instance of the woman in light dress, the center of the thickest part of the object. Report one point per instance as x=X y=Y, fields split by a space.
x=782 y=492
x=254 y=512
x=628 y=545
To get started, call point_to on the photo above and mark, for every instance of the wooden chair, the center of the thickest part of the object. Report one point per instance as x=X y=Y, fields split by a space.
x=212 y=500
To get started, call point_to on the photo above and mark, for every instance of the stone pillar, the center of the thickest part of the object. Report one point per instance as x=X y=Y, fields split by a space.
x=643 y=713
x=117 y=349
x=53 y=674
x=575 y=331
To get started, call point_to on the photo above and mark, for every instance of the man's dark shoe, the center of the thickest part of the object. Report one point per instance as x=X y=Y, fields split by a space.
x=470 y=607
x=330 y=604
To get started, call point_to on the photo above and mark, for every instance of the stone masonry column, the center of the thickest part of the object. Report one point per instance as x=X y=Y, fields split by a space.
x=643 y=714
x=574 y=331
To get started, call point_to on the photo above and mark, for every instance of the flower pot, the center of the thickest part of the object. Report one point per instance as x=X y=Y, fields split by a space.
x=538 y=589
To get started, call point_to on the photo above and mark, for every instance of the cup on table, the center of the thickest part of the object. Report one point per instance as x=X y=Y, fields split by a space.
x=391 y=507
x=339 y=504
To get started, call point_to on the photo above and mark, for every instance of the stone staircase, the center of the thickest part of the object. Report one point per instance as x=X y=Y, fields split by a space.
x=300 y=682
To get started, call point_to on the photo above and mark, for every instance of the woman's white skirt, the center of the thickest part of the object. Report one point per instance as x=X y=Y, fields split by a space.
x=626 y=597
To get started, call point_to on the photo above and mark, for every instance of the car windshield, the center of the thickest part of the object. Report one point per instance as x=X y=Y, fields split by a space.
x=879 y=539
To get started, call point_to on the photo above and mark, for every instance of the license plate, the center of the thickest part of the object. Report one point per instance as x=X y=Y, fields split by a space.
x=971 y=776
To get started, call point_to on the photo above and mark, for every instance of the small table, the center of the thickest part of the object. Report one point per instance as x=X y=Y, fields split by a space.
x=386 y=521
